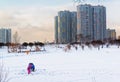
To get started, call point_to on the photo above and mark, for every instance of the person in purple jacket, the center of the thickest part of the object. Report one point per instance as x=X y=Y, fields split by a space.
x=30 y=68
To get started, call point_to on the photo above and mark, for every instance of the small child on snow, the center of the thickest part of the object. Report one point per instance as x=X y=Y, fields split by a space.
x=30 y=68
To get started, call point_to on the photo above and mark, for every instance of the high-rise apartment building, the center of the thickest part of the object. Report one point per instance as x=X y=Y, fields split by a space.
x=56 y=29
x=73 y=26
x=110 y=34
x=5 y=35
x=84 y=22
x=88 y=24
x=99 y=23
x=91 y=22
x=65 y=27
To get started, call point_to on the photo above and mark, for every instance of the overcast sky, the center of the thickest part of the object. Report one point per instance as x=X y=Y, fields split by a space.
x=34 y=19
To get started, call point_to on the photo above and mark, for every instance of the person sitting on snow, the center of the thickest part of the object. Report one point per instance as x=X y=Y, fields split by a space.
x=30 y=68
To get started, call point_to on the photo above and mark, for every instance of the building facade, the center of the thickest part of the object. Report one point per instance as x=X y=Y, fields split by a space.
x=86 y=25
x=110 y=34
x=56 y=29
x=99 y=23
x=5 y=35
x=66 y=26
x=73 y=26
x=91 y=22
x=84 y=22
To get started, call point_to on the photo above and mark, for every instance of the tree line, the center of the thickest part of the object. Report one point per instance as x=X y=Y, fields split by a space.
x=25 y=44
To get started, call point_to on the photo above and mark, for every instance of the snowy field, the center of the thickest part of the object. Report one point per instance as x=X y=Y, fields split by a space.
x=56 y=65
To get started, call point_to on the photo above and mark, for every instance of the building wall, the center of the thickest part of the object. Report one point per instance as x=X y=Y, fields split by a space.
x=5 y=35
x=73 y=26
x=99 y=22
x=63 y=26
x=66 y=26
x=56 y=29
x=84 y=22
x=88 y=24
x=110 y=34
x=8 y=36
x=91 y=22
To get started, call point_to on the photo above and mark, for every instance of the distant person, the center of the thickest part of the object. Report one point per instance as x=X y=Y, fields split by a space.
x=98 y=47
x=76 y=47
x=82 y=47
x=107 y=45
x=30 y=68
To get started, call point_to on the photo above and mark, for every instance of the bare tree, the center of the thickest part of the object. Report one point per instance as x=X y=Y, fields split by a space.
x=4 y=74
x=80 y=38
x=16 y=38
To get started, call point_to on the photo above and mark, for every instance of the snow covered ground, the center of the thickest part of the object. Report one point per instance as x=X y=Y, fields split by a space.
x=56 y=65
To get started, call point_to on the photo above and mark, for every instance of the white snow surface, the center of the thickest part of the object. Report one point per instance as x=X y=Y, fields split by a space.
x=56 y=65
